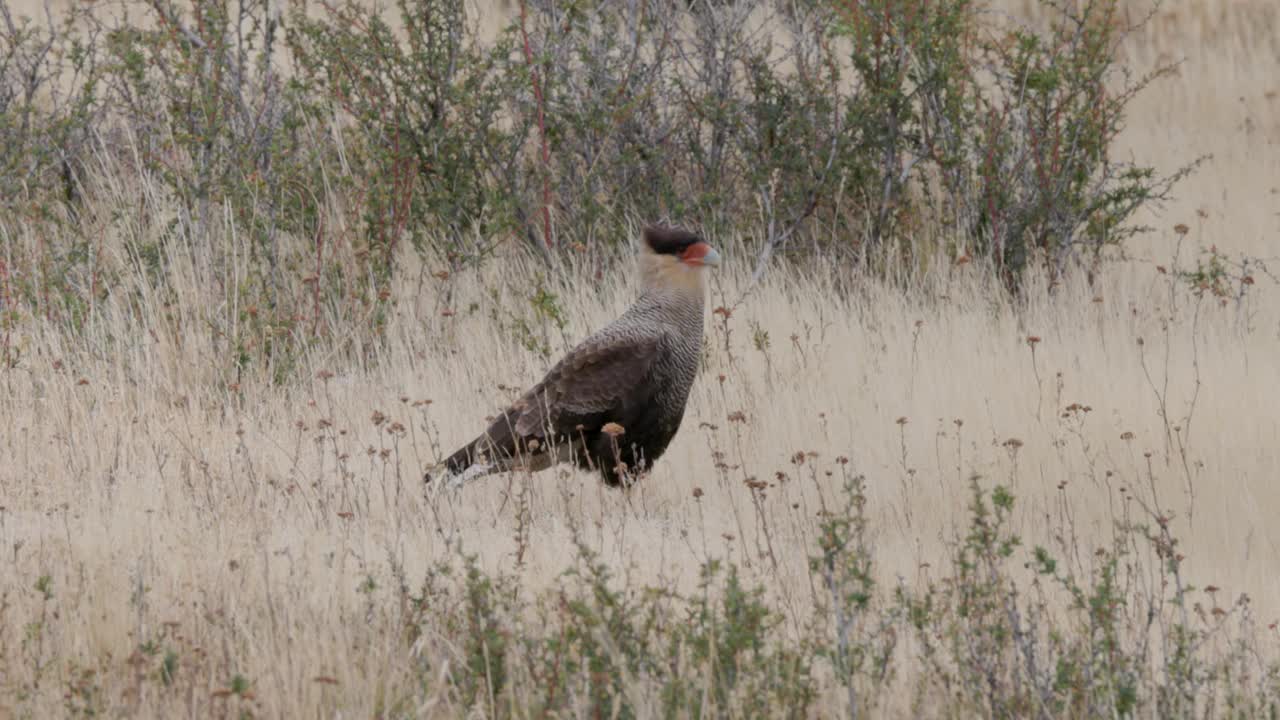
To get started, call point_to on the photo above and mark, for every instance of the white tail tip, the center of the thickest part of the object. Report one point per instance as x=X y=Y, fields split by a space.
x=451 y=481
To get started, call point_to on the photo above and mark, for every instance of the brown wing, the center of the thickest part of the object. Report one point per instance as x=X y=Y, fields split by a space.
x=602 y=380
x=596 y=383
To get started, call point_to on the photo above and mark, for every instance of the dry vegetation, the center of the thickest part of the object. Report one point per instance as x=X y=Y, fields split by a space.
x=178 y=541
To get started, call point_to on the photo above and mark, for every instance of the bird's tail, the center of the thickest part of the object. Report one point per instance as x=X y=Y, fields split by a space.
x=466 y=464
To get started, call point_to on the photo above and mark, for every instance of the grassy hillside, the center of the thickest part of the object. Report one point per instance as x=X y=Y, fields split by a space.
x=910 y=497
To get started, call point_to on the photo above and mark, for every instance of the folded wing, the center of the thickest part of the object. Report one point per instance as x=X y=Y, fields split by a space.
x=603 y=380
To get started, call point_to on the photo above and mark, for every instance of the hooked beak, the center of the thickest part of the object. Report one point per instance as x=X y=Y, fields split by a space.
x=701 y=254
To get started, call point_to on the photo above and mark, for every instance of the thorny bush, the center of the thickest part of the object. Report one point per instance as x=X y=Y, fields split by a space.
x=876 y=133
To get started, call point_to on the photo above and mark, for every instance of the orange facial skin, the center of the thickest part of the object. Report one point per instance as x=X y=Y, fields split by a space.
x=700 y=253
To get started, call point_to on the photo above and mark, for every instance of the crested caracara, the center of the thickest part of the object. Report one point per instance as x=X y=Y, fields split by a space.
x=614 y=403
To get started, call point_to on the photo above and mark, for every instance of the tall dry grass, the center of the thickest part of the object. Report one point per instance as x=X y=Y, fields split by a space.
x=148 y=491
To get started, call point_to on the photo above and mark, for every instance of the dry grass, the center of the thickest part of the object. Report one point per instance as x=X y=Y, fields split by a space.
x=261 y=529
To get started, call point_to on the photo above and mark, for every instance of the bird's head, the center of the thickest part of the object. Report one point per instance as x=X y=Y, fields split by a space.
x=674 y=259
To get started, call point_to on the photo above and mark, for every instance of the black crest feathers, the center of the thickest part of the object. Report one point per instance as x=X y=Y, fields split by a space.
x=665 y=240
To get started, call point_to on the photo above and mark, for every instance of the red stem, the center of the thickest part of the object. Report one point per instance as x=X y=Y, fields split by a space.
x=542 y=129
x=315 y=286
x=8 y=309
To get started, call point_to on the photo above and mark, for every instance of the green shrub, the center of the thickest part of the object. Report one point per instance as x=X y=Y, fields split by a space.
x=879 y=134
x=49 y=107
x=430 y=156
x=999 y=631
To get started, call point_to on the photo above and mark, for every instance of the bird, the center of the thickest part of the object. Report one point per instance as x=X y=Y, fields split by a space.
x=613 y=403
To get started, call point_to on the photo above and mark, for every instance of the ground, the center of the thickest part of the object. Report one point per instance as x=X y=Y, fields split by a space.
x=262 y=530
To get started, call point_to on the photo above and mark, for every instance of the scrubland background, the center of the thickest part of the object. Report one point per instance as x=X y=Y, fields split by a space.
x=179 y=539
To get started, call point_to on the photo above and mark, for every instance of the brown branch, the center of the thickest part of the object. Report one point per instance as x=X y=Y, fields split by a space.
x=542 y=127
